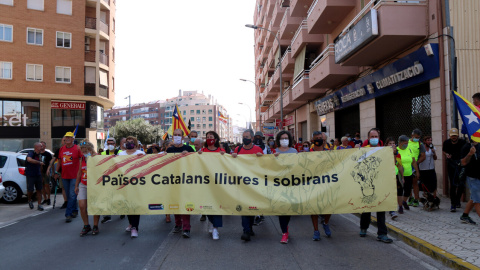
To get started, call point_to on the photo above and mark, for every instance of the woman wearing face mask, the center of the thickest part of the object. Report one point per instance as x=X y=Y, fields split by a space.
x=408 y=161
x=427 y=168
x=81 y=189
x=212 y=145
x=131 y=144
x=306 y=146
x=271 y=144
x=285 y=141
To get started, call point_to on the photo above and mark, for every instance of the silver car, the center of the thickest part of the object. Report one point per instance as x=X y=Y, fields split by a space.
x=12 y=171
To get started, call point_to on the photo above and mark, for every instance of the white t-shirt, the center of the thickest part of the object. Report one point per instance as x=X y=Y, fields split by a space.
x=429 y=162
x=124 y=153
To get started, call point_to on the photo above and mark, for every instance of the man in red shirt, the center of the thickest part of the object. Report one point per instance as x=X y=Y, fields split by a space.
x=247 y=148
x=69 y=162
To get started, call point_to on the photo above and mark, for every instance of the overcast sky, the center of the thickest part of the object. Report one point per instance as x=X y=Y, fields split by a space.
x=163 y=46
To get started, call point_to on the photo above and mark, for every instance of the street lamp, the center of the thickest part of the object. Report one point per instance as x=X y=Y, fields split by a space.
x=129 y=108
x=279 y=69
x=250 y=111
x=258 y=90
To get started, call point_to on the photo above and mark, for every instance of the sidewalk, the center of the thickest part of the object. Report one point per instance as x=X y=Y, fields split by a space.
x=440 y=234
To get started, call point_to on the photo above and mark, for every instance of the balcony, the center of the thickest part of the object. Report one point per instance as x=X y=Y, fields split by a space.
x=104 y=29
x=89 y=89
x=302 y=38
x=289 y=104
x=325 y=15
x=90 y=23
x=277 y=15
x=301 y=90
x=288 y=64
x=289 y=26
x=105 y=4
x=299 y=8
x=324 y=73
x=103 y=58
x=103 y=91
x=90 y=56
x=400 y=25
x=276 y=107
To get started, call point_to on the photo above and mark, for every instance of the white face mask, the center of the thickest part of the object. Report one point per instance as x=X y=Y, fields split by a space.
x=177 y=139
x=111 y=147
x=284 y=142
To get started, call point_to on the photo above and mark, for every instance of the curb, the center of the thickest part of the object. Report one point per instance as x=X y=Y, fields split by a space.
x=425 y=247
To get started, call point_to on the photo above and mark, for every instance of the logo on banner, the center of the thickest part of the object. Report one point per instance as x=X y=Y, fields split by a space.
x=238 y=208
x=206 y=207
x=189 y=207
x=254 y=208
x=155 y=206
x=173 y=206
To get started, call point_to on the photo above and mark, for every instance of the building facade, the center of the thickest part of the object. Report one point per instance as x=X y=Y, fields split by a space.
x=57 y=66
x=153 y=112
x=351 y=65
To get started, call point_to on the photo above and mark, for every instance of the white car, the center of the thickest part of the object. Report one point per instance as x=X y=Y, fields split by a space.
x=12 y=171
x=2 y=188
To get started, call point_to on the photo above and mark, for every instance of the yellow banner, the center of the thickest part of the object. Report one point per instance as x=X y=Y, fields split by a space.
x=329 y=182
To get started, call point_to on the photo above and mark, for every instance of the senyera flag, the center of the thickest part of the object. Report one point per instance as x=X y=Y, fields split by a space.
x=470 y=116
x=178 y=123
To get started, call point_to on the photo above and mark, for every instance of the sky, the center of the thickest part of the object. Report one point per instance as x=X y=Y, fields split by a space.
x=162 y=46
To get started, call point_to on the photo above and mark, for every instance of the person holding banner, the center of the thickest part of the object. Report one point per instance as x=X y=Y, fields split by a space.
x=247 y=148
x=81 y=189
x=390 y=142
x=132 y=148
x=319 y=144
x=212 y=145
x=285 y=141
x=179 y=147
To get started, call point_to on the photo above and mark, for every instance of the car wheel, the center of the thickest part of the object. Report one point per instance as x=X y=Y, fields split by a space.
x=12 y=193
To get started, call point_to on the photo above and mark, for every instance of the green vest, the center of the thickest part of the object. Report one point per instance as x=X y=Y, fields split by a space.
x=407 y=159
x=415 y=147
x=107 y=152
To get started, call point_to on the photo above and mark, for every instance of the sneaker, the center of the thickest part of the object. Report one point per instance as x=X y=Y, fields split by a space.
x=30 y=204
x=384 y=238
x=177 y=229
x=122 y=216
x=48 y=202
x=44 y=202
x=68 y=219
x=129 y=228
x=40 y=208
x=257 y=221
x=245 y=236
x=405 y=205
x=410 y=201
x=74 y=214
x=86 y=229
x=363 y=232
x=453 y=209
x=284 y=238
x=459 y=205
x=210 y=227
x=203 y=218
x=252 y=233
x=415 y=203
x=393 y=215
x=467 y=220
x=400 y=209
x=64 y=205
x=186 y=234
x=95 y=230
x=215 y=235
x=106 y=219
x=326 y=228
x=316 y=236
x=133 y=232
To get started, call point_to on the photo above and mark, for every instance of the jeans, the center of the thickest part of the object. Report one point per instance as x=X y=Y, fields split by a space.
x=474 y=185
x=456 y=188
x=216 y=220
x=365 y=222
x=134 y=220
x=247 y=223
x=183 y=220
x=69 y=186
x=284 y=220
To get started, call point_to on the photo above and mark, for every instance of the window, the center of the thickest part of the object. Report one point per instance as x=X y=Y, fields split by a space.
x=113 y=54
x=64 y=7
x=34 y=72
x=210 y=118
x=64 y=40
x=204 y=125
x=192 y=111
x=210 y=125
x=63 y=74
x=198 y=125
x=3 y=160
x=35 y=36
x=19 y=113
x=198 y=119
x=204 y=111
x=198 y=111
x=113 y=25
x=35 y=4
x=6 y=32
x=6 y=2
x=113 y=84
x=6 y=70
x=210 y=111
x=68 y=117
x=192 y=119
x=204 y=119
x=184 y=113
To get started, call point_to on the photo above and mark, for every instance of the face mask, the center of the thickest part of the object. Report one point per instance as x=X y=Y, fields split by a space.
x=306 y=149
x=318 y=142
x=271 y=144
x=284 y=142
x=111 y=147
x=210 y=142
x=247 y=141
x=129 y=145
x=349 y=139
x=177 y=139
x=403 y=147
x=257 y=141
x=415 y=140
x=192 y=140
x=374 y=141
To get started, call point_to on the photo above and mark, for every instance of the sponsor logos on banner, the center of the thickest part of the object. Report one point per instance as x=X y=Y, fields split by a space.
x=254 y=208
x=173 y=206
x=238 y=208
x=206 y=207
x=155 y=206
x=189 y=207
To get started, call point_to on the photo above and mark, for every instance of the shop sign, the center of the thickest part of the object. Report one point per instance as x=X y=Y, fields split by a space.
x=15 y=120
x=360 y=34
x=288 y=121
x=413 y=69
x=68 y=105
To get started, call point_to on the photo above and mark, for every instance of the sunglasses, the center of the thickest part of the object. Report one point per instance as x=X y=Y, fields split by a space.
x=83 y=143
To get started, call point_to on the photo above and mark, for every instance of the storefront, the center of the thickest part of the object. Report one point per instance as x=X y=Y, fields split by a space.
x=19 y=124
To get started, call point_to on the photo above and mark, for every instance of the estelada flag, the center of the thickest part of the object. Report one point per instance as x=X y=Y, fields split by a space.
x=222 y=118
x=165 y=136
x=470 y=116
x=177 y=122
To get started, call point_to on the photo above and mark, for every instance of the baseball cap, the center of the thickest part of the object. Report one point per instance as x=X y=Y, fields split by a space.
x=453 y=132
x=111 y=139
x=259 y=133
x=69 y=134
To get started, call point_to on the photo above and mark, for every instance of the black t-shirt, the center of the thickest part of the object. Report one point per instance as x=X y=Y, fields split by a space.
x=173 y=149
x=453 y=149
x=472 y=167
x=46 y=160
x=32 y=169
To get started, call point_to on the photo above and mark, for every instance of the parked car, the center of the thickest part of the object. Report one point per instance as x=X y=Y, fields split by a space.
x=12 y=171
x=2 y=188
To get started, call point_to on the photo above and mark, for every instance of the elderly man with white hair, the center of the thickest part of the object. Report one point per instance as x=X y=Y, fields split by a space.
x=344 y=144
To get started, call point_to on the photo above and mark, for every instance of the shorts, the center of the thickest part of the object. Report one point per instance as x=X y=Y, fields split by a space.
x=82 y=192
x=34 y=181
x=46 y=179
x=474 y=185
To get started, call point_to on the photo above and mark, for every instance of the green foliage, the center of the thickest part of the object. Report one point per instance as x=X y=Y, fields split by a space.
x=139 y=128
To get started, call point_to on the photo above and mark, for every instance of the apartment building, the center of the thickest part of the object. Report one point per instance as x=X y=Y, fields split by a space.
x=57 y=66
x=153 y=112
x=351 y=65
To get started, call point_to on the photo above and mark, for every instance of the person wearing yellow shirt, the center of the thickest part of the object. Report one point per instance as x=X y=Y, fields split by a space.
x=418 y=151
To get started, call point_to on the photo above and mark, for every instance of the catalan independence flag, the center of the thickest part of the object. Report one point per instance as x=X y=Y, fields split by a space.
x=177 y=122
x=222 y=118
x=470 y=116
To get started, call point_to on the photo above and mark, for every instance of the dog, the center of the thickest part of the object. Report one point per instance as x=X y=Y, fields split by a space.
x=430 y=202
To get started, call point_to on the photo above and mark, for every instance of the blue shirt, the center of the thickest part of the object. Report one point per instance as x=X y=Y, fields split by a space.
x=32 y=169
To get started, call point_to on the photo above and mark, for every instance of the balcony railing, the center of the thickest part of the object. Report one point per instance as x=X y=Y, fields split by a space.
x=302 y=75
x=302 y=26
x=106 y=1
x=90 y=56
x=329 y=50
x=104 y=27
x=103 y=91
x=103 y=58
x=90 y=23
x=89 y=89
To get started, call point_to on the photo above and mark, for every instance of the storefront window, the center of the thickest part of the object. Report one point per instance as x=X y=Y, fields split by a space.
x=14 y=113
x=68 y=117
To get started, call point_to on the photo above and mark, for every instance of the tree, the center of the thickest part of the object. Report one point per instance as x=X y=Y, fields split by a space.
x=139 y=128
